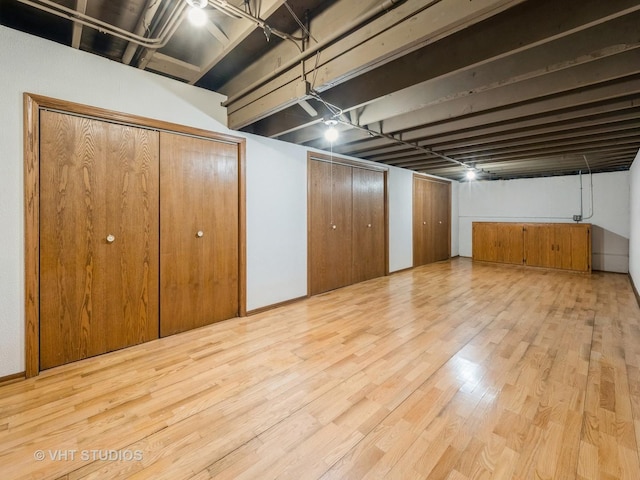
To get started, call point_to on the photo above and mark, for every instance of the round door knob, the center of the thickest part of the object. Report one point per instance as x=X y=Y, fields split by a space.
x=110 y=238
x=369 y=225
x=200 y=234
x=440 y=222
x=334 y=226
x=424 y=223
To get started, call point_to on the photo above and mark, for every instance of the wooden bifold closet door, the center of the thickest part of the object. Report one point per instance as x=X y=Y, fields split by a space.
x=330 y=244
x=431 y=220
x=347 y=225
x=198 y=232
x=98 y=237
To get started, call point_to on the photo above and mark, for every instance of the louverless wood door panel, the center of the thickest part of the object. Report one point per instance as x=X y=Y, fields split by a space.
x=431 y=221
x=539 y=247
x=330 y=226
x=368 y=224
x=510 y=243
x=199 y=232
x=572 y=247
x=485 y=242
x=98 y=237
x=441 y=208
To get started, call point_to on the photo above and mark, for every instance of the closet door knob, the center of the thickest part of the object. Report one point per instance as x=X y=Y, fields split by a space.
x=200 y=234
x=111 y=238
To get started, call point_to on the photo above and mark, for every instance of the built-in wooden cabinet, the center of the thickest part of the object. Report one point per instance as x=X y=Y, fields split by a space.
x=346 y=224
x=565 y=246
x=498 y=242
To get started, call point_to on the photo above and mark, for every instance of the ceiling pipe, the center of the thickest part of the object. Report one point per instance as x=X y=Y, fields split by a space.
x=150 y=10
x=75 y=16
x=383 y=7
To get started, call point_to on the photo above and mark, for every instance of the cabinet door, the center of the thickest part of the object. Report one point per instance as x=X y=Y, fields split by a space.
x=98 y=237
x=330 y=224
x=368 y=225
x=485 y=242
x=539 y=245
x=572 y=247
x=510 y=243
x=199 y=232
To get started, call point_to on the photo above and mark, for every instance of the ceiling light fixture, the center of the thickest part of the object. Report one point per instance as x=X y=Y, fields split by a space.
x=197 y=15
x=331 y=134
x=471 y=174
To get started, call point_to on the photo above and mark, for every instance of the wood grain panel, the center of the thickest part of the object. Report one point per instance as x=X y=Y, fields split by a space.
x=441 y=213
x=368 y=225
x=97 y=179
x=510 y=243
x=539 y=245
x=199 y=193
x=573 y=247
x=330 y=226
x=431 y=220
x=33 y=106
x=485 y=241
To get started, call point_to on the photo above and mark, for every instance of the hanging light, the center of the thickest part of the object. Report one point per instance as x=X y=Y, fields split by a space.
x=471 y=174
x=331 y=133
x=197 y=15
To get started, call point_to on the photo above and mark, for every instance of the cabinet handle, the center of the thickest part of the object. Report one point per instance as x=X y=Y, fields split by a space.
x=199 y=234
x=111 y=238
x=334 y=226
x=368 y=225
x=424 y=223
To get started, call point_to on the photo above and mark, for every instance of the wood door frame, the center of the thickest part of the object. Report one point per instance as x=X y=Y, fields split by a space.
x=33 y=105
x=422 y=177
x=322 y=157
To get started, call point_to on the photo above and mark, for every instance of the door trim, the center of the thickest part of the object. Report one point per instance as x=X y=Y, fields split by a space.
x=33 y=105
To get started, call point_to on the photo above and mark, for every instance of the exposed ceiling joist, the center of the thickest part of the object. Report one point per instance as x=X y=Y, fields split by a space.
x=515 y=87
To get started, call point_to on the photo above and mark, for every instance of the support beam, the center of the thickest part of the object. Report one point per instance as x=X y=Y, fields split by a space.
x=76 y=37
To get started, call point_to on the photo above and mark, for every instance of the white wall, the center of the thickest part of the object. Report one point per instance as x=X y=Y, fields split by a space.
x=276 y=173
x=634 y=214
x=555 y=199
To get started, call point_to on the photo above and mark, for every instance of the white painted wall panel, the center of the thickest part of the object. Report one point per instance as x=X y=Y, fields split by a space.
x=634 y=215
x=400 y=219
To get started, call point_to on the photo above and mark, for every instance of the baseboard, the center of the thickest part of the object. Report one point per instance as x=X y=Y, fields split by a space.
x=401 y=270
x=16 y=377
x=635 y=290
x=274 y=306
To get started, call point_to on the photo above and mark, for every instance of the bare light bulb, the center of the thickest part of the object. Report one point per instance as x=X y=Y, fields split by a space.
x=198 y=3
x=197 y=16
x=471 y=174
x=331 y=134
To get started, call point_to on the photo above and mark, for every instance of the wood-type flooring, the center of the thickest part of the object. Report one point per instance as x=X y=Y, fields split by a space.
x=454 y=370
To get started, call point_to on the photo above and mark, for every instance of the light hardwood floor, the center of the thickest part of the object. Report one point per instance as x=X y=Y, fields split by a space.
x=449 y=371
